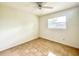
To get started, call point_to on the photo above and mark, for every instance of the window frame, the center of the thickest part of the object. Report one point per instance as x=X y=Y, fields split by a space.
x=59 y=27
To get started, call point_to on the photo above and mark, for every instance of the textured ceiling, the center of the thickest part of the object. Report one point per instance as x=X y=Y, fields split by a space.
x=31 y=7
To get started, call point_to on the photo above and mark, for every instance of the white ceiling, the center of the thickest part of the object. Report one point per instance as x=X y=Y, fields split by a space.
x=31 y=7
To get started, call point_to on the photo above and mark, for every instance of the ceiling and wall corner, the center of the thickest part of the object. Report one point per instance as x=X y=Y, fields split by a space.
x=31 y=7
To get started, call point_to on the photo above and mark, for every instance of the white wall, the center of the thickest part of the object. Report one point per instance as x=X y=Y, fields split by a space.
x=69 y=36
x=16 y=27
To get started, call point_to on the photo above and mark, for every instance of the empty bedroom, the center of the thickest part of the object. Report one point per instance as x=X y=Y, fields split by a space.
x=39 y=28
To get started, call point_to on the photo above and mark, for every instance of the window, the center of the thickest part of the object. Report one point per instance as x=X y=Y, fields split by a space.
x=58 y=22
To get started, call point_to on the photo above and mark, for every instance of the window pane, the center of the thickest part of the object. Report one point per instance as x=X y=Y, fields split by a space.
x=59 y=22
x=61 y=19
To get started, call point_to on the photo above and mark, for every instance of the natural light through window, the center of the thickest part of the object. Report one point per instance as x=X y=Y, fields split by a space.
x=58 y=22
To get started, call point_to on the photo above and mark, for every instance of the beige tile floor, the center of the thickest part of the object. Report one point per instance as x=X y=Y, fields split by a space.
x=40 y=47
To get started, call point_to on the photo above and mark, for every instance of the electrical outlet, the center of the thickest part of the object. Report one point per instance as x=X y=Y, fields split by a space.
x=63 y=39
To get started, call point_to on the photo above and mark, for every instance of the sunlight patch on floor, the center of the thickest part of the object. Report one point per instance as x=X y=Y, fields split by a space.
x=51 y=54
